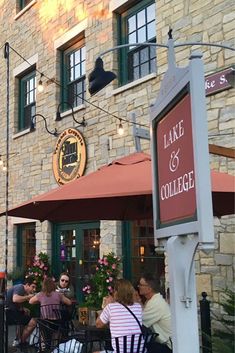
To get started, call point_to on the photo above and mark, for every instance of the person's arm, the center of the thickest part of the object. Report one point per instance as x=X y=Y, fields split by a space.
x=65 y=300
x=99 y=323
x=103 y=319
x=21 y=298
x=34 y=300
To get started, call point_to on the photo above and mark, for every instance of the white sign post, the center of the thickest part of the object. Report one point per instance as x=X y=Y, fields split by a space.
x=182 y=201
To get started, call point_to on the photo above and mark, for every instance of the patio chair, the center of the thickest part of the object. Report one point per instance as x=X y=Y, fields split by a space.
x=136 y=343
x=49 y=325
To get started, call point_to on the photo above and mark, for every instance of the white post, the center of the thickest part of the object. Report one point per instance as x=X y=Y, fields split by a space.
x=185 y=335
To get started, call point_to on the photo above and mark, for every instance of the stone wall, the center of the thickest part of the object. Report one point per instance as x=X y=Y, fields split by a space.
x=35 y=31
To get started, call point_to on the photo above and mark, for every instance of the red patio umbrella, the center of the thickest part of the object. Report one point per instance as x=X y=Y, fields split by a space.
x=121 y=190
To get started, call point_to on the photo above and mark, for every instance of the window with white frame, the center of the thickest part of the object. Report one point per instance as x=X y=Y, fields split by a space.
x=137 y=25
x=74 y=74
x=24 y=3
x=27 y=99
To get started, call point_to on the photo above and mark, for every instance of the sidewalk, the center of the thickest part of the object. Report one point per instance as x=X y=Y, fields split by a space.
x=11 y=336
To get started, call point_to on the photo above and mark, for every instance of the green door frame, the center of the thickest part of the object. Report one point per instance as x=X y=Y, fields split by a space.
x=79 y=228
x=126 y=250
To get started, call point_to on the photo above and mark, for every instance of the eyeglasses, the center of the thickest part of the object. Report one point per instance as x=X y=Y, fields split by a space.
x=64 y=280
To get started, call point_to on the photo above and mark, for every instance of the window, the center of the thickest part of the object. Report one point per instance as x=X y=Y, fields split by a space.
x=139 y=251
x=74 y=59
x=26 y=244
x=27 y=104
x=137 y=25
x=24 y=3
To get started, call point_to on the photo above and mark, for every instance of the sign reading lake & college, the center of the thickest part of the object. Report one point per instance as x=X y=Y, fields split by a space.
x=176 y=176
x=69 y=157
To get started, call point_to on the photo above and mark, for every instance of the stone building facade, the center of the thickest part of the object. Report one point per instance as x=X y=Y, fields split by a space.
x=39 y=32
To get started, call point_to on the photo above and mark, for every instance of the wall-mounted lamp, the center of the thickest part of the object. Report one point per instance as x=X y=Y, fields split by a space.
x=58 y=114
x=99 y=78
x=33 y=123
x=40 y=84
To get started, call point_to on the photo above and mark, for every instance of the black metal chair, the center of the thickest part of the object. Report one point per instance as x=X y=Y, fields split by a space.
x=49 y=326
x=136 y=343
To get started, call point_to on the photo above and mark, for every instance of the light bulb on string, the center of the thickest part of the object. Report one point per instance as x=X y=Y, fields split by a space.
x=120 y=128
x=4 y=168
x=40 y=85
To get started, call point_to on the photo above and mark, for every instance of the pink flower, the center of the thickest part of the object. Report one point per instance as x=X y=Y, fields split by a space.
x=114 y=266
x=110 y=279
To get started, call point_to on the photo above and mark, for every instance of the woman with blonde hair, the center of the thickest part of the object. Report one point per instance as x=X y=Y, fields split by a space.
x=121 y=321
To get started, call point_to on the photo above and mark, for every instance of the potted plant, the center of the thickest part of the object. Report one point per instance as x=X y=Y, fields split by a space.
x=16 y=275
x=39 y=269
x=101 y=283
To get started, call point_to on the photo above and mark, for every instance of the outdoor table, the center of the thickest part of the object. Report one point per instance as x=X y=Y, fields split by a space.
x=89 y=335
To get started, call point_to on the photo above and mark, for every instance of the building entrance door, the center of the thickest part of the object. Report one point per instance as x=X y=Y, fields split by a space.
x=76 y=250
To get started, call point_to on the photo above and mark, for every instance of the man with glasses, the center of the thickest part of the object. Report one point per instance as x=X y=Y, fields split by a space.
x=16 y=314
x=156 y=313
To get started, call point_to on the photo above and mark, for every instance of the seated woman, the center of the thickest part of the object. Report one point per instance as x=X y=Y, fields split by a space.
x=64 y=286
x=50 y=310
x=121 y=321
x=49 y=299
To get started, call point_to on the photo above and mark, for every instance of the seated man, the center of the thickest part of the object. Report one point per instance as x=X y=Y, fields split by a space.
x=156 y=313
x=15 y=314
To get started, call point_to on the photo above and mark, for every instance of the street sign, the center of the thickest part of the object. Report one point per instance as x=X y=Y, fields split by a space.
x=182 y=202
x=175 y=164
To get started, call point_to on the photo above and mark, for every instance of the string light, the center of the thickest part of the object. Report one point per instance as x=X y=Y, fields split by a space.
x=76 y=95
x=40 y=85
x=120 y=128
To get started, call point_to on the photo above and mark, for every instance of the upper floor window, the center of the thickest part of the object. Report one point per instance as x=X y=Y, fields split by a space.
x=27 y=96
x=137 y=26
x=24 y=3
x=74 y=74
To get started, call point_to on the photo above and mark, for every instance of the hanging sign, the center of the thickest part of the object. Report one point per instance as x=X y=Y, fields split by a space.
x=69 y=157
x=182 y=202
x=176 y=178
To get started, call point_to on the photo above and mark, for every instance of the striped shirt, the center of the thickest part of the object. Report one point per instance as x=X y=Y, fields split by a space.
x=121 y=321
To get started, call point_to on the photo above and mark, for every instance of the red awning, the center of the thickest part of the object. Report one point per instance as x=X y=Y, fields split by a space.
x=121 y=190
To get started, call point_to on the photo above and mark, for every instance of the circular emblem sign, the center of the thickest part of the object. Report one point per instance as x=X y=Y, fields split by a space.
x=69 y=157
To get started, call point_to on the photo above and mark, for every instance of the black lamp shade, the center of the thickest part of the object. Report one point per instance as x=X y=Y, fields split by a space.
x=99 y=78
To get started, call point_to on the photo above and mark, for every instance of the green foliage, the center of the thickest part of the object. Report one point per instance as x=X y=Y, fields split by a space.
x=223 y=339
x=16 y=274
x=101 y=283
x=39 y=269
